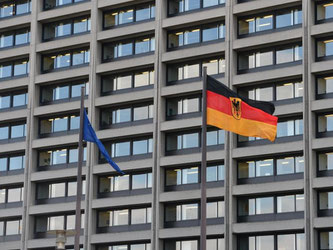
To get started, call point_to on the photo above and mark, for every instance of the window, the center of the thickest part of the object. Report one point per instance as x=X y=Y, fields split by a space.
x=57 y=190
x=12 y=131
x=128 y=48
x=65 y=59
x=276 y=20
x=66 y=28
x=13 y=100
x=50 y=4
x=59 y=156
x=58 y=124
x=325 y=123
x=276 y=92
x=176 y=7
x=131 y=147
x=325 y=200
x=292 y=241
x=14 y=38
x=128 y=81
x=266 y=205
x=182 y=212
x=177 y=72
x=14 y=68
x=14 y=8
x=109 y=184
x=325 y=161
x=126 y=114
x=56 y=222
x=9 y=195
x=181 y=176
x=13 y=162
x=187 y=140
x=185 y=105
x=128 y=15
x=324 y=11
x=122 y=217
x=215 y=244
x=270 y=167
x=324 y=48
x=196 y=35
x=10 y=227
x=326 y=240
x=215 y=209
x=324 y=85
x=257 y=59
x=61 y=92
x=141 y=246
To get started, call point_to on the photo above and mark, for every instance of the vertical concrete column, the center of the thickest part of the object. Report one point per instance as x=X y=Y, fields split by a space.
x=160 y=14
x=89 y=223
x=28 y=198
x=229 y=217
x=309 y=90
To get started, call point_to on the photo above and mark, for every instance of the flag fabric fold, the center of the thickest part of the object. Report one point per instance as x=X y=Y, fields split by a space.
x=90 y=135
x=229 y=111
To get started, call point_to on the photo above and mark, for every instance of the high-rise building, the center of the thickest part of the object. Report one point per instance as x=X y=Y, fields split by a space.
x=141 y=63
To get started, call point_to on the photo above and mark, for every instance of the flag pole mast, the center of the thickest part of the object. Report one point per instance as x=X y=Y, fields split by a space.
x=79 y=178
x=203 y=224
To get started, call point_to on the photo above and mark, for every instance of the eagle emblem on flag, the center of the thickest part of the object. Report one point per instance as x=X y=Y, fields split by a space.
x=236 y=107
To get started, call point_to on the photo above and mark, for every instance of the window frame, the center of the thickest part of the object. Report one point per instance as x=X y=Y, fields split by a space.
x=201 y=8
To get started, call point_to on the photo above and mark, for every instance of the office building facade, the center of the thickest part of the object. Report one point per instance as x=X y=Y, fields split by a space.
x=141 y=63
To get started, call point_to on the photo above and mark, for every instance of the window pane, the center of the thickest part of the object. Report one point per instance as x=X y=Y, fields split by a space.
x=120 y=149
x=140 y=113
x=16 y=162
x=80 y=25
x=14 y=194
x=139 y=216
x=56 y=223
x=142 y=13
x=190 y=140
x=140 y=147
x=5 y=70
x=210 y=33
x=121 y=183
x=284 y=55
x=264 y=94
x=139 y=181
x=4 y=100
x=19 y=100
x=285 y=166
x=284 y=91
x=2 y=197
x=265 y=205
x=57 y=190
x=4 y=133
x=264 y=58
x=264 y=23
x=190 y=175
x=190 y=212
x=13 y=227
x=264 y=168
x=173 y=177
x=6 y=39
x=284 y=19
x=286 y=204
x=264 y=243
x=120 y=217
x=3 y=164
x=286 y=242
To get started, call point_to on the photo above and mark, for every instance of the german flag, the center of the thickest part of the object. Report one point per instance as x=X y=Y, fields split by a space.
x=229 y=111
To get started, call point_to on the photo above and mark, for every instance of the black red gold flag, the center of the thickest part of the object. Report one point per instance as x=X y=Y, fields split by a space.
x=229 y=111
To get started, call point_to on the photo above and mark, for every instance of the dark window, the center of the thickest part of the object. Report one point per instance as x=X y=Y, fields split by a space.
x=129 y=15
x=126 y=114
x=196 y=35
x=325 y=240
x=269 y=21
x=177 y=72
x=58 y=124
x=14 y=68
x=324 y=11
x=138 y=79
x=65 y=91
x=50 y=4
x=127 y=48
x=14 y=38
x=66 y=28
x=65 y=59
x=59 y=156
x=180 y=6
x=14 y=8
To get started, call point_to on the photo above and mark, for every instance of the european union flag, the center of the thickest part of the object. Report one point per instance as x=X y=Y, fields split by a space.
x=90 y=135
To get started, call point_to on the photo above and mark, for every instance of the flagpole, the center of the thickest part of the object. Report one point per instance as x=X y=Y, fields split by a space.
x=203 y=224
x=79 y=178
